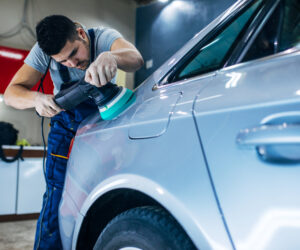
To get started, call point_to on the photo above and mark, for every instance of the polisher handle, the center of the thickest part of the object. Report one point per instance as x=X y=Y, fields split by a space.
x=69 y=97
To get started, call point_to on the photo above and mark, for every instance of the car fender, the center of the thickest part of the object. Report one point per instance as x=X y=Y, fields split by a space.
x=158 y=193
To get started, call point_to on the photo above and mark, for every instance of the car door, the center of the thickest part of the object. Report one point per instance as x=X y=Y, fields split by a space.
x=195 y=73
x=248 y=120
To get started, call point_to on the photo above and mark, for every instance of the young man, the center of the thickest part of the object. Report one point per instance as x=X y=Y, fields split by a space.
x=72 y=52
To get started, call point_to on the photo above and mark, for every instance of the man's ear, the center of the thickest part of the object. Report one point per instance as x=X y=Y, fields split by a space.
x=81 y=33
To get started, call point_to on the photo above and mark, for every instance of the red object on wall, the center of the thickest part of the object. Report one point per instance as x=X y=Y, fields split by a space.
x=10 y=61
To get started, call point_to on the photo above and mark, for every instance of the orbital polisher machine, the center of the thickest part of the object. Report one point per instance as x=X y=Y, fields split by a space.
x=111 y=99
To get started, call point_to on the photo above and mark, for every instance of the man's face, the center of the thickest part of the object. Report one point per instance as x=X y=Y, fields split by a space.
x=75 y=54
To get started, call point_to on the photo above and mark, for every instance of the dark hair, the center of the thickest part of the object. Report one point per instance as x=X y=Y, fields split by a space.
x=53 y=32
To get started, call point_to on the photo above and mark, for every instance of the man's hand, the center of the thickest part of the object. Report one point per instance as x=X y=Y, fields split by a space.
x=122 y=55
x=102 y=70
x=45 y=105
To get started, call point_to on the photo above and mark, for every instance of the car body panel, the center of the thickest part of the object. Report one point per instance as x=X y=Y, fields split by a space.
x=113 y=160
x=268 y=217
x=158 y=110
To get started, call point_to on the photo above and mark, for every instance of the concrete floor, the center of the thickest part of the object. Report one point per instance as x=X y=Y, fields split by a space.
x=17 y=235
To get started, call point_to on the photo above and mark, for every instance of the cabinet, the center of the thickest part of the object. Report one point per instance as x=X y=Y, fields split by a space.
x=8 y=187
x=31 y=186
x=22 y=183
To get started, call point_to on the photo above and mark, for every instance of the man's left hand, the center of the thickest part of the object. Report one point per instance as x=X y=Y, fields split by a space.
x=102 y=70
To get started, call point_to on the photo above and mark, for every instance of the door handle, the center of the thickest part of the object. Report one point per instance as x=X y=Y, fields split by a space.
x=270 y=135
x=278 y=142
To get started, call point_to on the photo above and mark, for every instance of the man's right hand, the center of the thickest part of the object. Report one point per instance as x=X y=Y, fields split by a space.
x=45 y=105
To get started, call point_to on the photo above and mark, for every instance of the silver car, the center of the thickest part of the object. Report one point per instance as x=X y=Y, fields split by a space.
x=208 y=157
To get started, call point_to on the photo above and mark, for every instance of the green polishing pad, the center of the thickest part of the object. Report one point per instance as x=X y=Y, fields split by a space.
x=121 y=102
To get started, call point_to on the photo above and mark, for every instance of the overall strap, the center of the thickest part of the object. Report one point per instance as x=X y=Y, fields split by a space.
x=63 y=70
x=64 y=73
x=92 y=43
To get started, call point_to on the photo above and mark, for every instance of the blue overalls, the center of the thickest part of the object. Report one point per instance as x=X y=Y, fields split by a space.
x=63 y=129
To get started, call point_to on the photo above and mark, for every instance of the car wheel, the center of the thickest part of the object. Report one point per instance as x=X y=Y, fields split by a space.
x=147 y=228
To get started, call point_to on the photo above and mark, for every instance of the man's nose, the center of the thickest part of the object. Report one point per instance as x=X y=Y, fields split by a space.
x=73 y=62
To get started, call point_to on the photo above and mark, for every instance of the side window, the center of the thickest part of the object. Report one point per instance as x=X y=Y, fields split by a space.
x=212 y=56
x=281 y=31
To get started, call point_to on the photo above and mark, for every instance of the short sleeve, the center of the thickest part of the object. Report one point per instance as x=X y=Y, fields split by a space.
x=105 y=39
x=37 y=59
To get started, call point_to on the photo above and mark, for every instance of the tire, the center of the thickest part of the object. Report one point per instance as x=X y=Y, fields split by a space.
x=147 y=228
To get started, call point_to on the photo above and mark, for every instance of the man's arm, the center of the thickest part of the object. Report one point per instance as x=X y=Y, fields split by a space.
x=127 y=56
x=123 y=55
x=18 y=94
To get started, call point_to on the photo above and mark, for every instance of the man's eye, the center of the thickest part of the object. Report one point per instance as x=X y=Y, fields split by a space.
x=73 y=53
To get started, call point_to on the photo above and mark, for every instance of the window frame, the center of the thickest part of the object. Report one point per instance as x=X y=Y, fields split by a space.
x=246 y=43
x=168 y=78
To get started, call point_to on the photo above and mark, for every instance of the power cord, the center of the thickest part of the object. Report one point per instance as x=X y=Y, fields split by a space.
x=44 y=155
x=42 y=120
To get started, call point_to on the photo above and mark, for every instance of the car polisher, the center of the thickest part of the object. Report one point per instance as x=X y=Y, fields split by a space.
x=111 y=99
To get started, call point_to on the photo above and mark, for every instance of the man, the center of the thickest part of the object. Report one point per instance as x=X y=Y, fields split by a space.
x=71 y=52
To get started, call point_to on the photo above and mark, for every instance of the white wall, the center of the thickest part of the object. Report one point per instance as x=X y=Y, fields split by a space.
x=118 y=14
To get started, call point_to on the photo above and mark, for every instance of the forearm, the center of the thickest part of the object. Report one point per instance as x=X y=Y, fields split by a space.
x=128 y=59
x=18 y=93
x=20 y=97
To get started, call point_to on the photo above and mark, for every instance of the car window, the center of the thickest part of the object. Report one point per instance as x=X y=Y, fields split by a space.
x=212 y=56
x=281 y=32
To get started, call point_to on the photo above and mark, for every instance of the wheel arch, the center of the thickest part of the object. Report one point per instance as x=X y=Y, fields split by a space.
x=102 y=206
x=104 y=209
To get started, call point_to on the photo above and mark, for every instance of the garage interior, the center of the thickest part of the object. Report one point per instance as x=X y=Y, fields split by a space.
x=152 y=26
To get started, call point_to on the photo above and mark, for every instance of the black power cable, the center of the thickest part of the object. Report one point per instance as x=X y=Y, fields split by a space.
x=44 y=155
x=42 y=121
